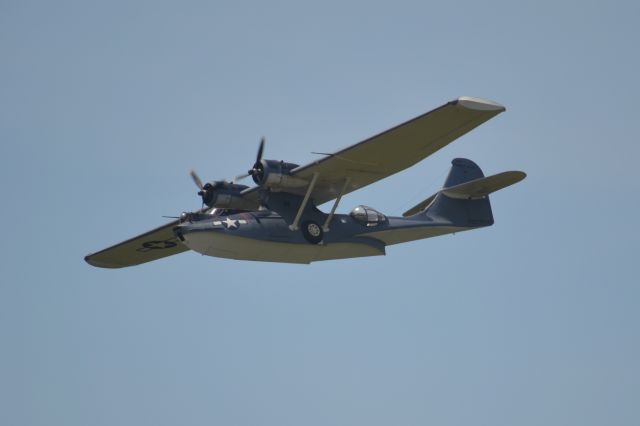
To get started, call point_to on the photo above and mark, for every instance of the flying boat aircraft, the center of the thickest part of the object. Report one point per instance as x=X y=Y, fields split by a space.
x=278 y=219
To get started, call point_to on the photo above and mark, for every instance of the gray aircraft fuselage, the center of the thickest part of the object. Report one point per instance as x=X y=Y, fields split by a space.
x=265 y=235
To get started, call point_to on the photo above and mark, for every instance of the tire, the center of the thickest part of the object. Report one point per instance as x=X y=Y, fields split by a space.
x=312 y=232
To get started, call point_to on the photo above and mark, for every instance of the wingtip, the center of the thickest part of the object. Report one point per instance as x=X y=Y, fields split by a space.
x=88 y=258
x=479 y=104
x=521 y=175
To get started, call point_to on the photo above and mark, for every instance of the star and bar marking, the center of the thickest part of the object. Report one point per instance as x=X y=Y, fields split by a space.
x=230 y=223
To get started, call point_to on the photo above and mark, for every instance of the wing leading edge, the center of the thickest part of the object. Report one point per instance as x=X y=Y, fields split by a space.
x=395 y=149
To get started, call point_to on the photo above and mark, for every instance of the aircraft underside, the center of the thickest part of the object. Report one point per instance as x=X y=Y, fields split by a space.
x=246 y=236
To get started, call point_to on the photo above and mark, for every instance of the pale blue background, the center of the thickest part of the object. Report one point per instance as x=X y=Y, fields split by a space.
x=104 y=108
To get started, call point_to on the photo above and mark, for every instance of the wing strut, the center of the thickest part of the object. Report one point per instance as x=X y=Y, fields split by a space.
x=294 y=225
x=325 y=227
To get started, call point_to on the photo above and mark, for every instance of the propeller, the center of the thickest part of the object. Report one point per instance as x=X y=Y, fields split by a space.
x=196 y=179
x=206 y=190
x=260 y=149
x=240 y=177
x=257 y=168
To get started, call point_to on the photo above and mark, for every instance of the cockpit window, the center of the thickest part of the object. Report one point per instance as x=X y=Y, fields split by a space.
x=367 y=216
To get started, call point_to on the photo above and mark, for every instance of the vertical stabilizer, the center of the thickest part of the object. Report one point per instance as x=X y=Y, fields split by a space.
x=460 y=211
x=462 y=171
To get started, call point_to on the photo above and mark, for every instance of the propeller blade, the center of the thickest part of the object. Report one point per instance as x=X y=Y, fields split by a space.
x=196 y=179
x=260 y=149
x=240 y=177
x=256 y=165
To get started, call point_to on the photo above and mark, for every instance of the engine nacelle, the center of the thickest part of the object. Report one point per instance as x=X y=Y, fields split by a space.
x=226 y=195
x=232 y=201
x=276 y=175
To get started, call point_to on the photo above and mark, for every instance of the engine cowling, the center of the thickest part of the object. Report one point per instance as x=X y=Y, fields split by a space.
x=226 y=195
x=276 y=175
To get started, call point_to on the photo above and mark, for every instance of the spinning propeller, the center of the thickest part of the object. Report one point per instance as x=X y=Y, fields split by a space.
x=196 y=179
x=206 y=190
x=216 y=191
x=257 y=171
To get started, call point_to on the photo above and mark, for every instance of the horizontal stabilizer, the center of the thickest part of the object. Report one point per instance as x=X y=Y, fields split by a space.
x=482 y=187
x=420 y=206
x=474 y=189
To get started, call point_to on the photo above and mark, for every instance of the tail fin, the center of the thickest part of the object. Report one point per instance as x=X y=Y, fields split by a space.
x=462 y=170
x=464 y=199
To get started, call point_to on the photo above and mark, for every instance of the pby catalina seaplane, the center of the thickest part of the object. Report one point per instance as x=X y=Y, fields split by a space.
x=278 y=220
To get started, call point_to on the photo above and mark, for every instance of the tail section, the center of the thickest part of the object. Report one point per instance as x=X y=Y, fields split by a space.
x=461 y=211
x=462 y=171
x=464 y=198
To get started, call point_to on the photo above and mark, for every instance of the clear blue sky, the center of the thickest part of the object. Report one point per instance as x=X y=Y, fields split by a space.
x=104 y=108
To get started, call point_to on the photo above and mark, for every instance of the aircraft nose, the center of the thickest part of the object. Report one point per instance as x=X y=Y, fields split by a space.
x=184 y=230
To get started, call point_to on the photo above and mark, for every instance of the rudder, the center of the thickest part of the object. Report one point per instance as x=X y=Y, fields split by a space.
x=462 y=170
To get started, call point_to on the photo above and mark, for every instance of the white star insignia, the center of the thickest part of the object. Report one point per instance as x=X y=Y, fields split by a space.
x=230 y=223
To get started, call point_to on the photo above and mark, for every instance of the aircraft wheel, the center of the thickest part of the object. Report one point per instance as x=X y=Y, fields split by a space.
x=312 y=232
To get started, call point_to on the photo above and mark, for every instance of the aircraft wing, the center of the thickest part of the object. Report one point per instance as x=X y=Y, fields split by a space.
x=155 y=244
x=395 y=149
